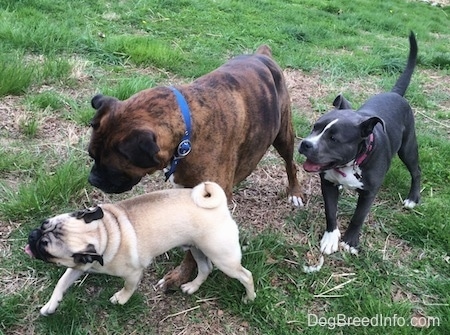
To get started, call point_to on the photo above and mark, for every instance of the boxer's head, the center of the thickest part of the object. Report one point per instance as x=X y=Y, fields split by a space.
x=122 y=150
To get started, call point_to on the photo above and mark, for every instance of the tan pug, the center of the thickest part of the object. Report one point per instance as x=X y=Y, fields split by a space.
x=122 y=239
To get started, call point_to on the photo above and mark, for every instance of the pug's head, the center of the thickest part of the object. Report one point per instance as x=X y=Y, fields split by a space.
x=68 y=239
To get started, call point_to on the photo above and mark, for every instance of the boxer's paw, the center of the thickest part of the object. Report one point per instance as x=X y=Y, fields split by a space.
x=296 y=201
x=330 y=242
x=174 y=278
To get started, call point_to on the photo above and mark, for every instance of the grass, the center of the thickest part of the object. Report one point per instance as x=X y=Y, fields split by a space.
x=55 y=56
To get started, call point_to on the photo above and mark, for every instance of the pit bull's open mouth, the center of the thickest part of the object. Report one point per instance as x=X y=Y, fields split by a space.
x=310 y=166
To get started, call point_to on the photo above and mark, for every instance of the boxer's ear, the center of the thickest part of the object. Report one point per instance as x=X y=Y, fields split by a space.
x=140 y=149
x=102 y=104
x=368 y=125
x=341 y=103
x=90 y=214
x=90 y=255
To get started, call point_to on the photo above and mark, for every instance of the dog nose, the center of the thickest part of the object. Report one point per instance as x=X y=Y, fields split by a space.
x=305 y=146
x=34 y=236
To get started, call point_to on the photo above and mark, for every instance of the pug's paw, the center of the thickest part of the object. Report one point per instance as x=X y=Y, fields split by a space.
x=49 y=308
x=120 y=297
x=190 y=287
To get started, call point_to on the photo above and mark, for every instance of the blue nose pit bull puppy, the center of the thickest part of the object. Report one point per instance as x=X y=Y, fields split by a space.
x=354 y=149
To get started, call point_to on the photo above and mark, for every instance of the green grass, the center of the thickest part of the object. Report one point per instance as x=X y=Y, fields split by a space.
x=55 y=56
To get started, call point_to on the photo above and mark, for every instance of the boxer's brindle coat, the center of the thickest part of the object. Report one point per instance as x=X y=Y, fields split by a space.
x=237 y=112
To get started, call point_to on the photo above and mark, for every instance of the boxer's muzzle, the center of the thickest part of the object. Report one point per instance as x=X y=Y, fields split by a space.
x=110 y=180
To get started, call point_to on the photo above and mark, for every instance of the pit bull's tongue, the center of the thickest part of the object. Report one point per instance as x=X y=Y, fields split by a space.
x=311 y=167
x=28 y=250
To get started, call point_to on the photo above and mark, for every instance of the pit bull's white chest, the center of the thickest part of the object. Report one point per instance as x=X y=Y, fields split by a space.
x=348 y=176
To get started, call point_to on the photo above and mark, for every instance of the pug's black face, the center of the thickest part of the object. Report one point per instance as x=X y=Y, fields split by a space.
x=60 y=239
x=37 y=243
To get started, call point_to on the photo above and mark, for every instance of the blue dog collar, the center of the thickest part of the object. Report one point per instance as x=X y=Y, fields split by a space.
x=184 y=148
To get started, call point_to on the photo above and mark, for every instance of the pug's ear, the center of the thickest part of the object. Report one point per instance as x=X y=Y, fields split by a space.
x=88 y=256
x=90 y=214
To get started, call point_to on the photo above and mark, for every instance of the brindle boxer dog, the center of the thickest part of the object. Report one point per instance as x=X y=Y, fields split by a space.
x=236 y=111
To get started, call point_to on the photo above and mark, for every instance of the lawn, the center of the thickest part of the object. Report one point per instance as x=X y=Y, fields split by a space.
x=55 y=56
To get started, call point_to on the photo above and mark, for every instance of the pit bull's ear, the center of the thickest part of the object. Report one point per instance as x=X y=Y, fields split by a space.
x=89 y=256
x=102 y=104
x=368 y=125
x=90 y=214
x=140 y=149
x=341 y=103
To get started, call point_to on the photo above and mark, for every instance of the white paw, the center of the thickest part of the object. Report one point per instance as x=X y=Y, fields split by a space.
x=120 y=298
x=246 y=299
x=160 y=284
x=314 y=268
x=409 y=204
x=349 y=249
x=49 y=308
x=190 y=287
x=296 y=201
x=114 y=300
x=330 y=242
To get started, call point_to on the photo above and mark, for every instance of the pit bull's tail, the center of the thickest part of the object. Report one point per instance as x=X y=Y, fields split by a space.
x=208 y=195
x=402 y=83
x=264 y=50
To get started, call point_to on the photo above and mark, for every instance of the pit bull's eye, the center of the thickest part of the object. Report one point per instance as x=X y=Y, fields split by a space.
x=333 y=139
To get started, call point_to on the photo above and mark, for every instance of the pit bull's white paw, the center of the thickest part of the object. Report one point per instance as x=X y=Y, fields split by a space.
x=296 y=201
x=349 y=249
x=409 y=204
x=314 y=268
x=330 y=242
x=49 y=308
x=190 y=287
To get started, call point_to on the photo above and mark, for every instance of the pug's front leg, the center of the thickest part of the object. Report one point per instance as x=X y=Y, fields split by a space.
x=67 y=279
x=131 y=283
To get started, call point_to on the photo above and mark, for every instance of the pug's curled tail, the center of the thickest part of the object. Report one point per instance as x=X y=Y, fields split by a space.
x=208 y=195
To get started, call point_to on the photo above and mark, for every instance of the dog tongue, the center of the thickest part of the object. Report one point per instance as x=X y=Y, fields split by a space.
x=28 y=250
x=311 y=167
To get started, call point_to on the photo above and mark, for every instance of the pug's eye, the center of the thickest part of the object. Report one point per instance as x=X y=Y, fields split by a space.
x=44 y=242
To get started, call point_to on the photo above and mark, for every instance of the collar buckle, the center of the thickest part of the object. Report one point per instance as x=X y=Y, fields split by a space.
x=184 y=147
